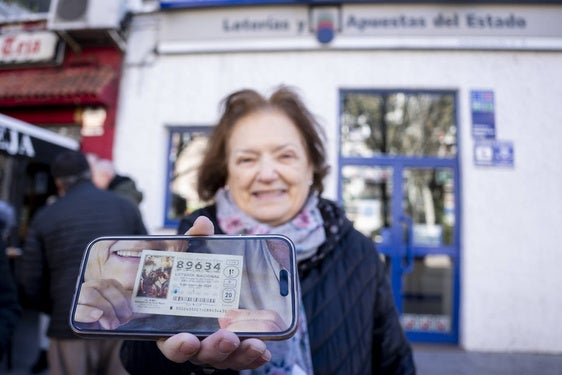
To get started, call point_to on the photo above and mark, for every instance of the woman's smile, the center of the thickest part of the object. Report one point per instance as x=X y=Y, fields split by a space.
x=269 y=194
x=268 y=167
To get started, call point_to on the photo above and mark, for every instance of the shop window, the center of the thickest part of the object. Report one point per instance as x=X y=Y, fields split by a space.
x=405 y=123
x=187 y=146
x=24 y=10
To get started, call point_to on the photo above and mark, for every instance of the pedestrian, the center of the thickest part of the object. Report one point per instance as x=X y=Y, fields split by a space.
x=53 y=250
x=10 y=310
x=264 y=171
x=105 y=177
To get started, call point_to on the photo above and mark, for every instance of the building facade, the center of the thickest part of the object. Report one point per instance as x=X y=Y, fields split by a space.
x=441 y=124
x=60 y=70
x=441 y=121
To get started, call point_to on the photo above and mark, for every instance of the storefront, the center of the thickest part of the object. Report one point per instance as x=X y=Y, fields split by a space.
x=25 y=154
x=62 y=85
x=438 y=117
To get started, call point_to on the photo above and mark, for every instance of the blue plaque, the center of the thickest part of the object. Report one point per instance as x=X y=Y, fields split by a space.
x=483 y=114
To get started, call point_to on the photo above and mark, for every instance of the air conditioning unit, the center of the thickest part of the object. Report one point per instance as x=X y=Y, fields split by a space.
x=86 y=14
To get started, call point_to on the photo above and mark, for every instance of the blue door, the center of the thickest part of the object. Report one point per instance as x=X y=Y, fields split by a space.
x=399 y=183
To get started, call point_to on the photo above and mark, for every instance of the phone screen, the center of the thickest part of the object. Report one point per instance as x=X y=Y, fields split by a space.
x=156 y=286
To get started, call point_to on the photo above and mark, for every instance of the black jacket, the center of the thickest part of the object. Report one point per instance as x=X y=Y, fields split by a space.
x=56 y=241
x=10 y=310
x=126 y=187
x=353 y=324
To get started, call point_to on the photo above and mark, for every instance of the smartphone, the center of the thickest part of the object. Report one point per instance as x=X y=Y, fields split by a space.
x=152 y=287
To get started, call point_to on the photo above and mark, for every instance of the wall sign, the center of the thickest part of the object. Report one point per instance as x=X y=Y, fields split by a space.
x=494 y=153
x=29 y=48
x=483 y=114
x=312 y=25
x=18 y=138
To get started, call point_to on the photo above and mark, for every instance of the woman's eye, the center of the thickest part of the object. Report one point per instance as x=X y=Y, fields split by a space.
x=288 y=155
x=245 y=160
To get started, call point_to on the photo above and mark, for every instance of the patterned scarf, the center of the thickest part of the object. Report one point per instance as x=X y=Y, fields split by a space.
x=292 y=356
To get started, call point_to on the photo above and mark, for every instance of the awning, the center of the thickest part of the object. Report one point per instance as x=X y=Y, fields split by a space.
x=80 y=85
x=18 y=138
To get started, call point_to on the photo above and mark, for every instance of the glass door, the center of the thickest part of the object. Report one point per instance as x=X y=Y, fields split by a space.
x=402 y=192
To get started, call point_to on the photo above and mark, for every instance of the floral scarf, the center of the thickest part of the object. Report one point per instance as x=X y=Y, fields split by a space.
x=292 y=356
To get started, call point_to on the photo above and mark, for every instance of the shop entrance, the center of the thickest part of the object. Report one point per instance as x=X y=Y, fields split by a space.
x=399 y=183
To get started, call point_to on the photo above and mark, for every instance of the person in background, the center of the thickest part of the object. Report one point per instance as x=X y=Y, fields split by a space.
x=104 y=176
x=54 y=246
x=10 y=310
x=264 y=170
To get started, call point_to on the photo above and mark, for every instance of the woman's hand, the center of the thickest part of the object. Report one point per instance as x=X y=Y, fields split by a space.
x=252 y=321
x=223 y=349
x=105 y=303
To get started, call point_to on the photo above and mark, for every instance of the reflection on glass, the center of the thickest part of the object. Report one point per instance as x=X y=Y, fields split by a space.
x=429 y=202
x=427 y=295
x=398 y=123
x=199 y=285
x=366 y=196
x=187 y=148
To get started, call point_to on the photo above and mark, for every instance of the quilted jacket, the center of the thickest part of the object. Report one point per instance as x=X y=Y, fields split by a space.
x=352 y=321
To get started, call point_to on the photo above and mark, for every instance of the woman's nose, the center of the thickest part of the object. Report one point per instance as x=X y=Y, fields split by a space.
x=267 y=171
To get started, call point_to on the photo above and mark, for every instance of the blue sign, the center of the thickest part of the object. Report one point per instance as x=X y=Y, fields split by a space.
x=494 y=153
x=483 y=114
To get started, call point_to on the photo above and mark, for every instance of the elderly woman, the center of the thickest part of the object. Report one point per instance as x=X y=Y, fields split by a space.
x=264 y=172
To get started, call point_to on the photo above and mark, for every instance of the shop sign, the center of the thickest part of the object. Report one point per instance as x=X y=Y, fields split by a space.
x=361 y=26
x=18 y=138
x=15 y=143
x=28 y=47
x=489 y=21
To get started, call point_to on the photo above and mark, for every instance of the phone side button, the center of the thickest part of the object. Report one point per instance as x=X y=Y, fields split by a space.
x=284 y=283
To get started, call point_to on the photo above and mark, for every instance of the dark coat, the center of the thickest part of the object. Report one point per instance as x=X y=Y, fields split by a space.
x=10 y=310
x=126 y=187
x=55 y=244
x=353 y=324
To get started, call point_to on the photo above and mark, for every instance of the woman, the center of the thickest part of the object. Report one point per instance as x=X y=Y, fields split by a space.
x=264 y=170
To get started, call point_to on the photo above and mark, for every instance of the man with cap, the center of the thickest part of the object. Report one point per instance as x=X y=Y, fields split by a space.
x=53 y=250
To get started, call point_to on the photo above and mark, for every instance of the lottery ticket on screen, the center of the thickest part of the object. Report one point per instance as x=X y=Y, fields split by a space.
x=187 y=284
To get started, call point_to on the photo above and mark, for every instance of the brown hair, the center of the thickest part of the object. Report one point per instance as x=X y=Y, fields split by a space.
x=213 y=171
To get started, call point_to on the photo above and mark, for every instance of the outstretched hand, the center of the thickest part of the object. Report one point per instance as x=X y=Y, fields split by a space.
x=223 y=349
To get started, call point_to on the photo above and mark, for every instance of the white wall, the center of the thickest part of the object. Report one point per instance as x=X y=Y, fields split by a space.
x=511 y=217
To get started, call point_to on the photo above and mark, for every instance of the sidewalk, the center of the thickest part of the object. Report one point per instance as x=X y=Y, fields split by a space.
x=447 y=360
x=430 y=359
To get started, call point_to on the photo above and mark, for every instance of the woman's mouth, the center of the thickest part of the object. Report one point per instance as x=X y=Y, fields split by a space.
x=269 y=194
x=128 y=253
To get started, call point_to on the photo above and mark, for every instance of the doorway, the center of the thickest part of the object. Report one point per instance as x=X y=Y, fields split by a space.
x=399 y=184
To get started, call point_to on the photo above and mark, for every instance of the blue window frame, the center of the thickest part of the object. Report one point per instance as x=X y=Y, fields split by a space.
x=399 y=183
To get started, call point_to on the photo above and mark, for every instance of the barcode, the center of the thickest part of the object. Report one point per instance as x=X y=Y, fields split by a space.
x=194 y=299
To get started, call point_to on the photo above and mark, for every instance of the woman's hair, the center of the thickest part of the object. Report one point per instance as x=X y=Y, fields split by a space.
x=213 y=171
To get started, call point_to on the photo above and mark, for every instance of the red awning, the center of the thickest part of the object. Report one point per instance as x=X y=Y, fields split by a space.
x=77 y=85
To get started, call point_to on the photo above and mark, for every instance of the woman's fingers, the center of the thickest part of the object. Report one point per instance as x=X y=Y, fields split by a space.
x=242 y=320
x=180 y=348
x=221 y=350
x=251 y=354
x=87 y=314
x=107 y=297
x=201 y=227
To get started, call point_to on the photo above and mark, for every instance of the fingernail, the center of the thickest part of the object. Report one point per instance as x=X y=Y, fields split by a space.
x=96 y=314
x=227 y=346
x=266 y=355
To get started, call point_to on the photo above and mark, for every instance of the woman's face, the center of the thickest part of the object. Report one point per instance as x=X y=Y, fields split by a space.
x=269 y=174
x=120 y=260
